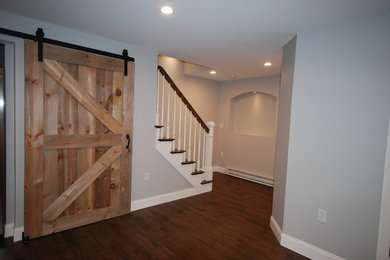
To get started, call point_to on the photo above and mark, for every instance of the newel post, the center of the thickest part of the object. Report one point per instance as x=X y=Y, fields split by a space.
x=208 y=158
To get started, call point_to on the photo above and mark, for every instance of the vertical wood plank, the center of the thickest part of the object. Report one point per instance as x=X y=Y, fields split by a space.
x=50 y=159
x=117 y=89
x=86 y=125
x=127 y=126
x=69 y=121
x=33 y=192
x=105 y=98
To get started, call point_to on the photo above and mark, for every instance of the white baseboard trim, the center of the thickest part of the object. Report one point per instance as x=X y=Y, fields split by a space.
x=18 y=233
x=256 y=179
x=164 y=198
x=9 y=230
x=307 y=249
x=276 y=229
x=219 y=169
x=135 y=205
x=299 y=246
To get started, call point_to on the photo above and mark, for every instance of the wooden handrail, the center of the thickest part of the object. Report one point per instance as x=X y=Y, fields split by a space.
x=183 y=98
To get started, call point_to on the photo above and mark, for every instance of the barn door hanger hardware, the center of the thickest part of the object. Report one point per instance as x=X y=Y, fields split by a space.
x=40 y=38
x=125 y=60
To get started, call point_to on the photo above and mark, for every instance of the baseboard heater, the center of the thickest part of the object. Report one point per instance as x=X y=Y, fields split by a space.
x=250 y=177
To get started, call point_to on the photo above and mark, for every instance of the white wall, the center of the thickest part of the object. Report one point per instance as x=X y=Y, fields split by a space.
x=339 y=118
x=250 y=153
x=283 y=130
x=164 y=178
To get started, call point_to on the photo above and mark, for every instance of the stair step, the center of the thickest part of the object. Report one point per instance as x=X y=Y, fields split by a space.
x=178 y=151
x=187 y=162
x=206 y=182
x=166 y=139
x=197 y=172
x=158 y=126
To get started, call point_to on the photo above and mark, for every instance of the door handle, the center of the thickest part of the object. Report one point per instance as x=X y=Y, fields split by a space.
x=128 y=141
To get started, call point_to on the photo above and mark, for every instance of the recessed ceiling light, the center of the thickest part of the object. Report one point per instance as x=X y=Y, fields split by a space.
x=167 y=10
x=232 y=76
x=268 y=64
x=213 y=72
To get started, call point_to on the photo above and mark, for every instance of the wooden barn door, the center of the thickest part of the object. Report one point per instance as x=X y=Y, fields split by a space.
x=79 y=116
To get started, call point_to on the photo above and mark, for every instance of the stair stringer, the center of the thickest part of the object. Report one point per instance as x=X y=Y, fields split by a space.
x=185 y=170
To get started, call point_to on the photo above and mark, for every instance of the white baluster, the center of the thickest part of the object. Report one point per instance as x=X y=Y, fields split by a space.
x=194 y=138
x=199 y=142
x=204 y=148
x=185 y=132
x=162 y=108
x=168 y=111
x=158 y=99
x=189 y=139
x=174 y=122
x=179 y=136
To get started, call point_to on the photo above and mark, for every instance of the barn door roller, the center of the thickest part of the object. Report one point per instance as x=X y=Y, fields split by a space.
x=40 y=38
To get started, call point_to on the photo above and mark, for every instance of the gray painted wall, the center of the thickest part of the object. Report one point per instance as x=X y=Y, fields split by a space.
x=164 y=178
x=250 y=153
x=283 y=130
x=339 y=118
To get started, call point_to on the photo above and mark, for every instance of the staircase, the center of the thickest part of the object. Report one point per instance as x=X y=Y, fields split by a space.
x=182 y=137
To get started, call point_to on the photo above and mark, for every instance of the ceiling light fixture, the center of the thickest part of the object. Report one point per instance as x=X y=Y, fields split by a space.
x=167 y=10
x=213 y=72
x=268 y=64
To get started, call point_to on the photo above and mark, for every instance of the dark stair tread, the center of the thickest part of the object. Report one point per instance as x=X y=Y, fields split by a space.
x=166 y=139
x=158 y=126
x=178 y=151
x=206 y=182
x=187 y=162
x=197 y=172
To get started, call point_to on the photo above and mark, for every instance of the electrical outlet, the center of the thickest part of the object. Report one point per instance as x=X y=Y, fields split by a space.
x=321 y=215
x=147 y=176
x=220 y=125
x=222 y=154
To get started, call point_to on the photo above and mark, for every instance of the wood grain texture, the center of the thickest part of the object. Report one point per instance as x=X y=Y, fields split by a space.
x=70 y=123
x=117 y=107
x=231 y=222
x=126 y=163
x=50 y=158
x=52 y=52
x=33 y=188
x=89 y=102
x=105 y=98
x=73 y=127
x=86 y=126
x=68 y=222
x=79 y=186
x=81 y=141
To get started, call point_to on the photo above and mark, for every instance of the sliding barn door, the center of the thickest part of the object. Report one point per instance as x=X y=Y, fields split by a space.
x=79 y=116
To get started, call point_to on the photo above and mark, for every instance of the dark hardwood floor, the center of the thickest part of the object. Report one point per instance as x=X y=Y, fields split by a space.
x=231 y=222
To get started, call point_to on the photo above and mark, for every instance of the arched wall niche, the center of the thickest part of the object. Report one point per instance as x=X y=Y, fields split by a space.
x=253 y=113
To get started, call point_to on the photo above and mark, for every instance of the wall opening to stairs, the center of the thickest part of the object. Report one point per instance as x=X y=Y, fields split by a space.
x=244 y=139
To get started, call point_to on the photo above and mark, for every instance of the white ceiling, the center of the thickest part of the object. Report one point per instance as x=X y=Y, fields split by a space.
x=230 y=36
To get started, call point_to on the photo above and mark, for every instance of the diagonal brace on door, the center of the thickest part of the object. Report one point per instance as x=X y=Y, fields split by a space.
x=66 y=80
x=79 y=186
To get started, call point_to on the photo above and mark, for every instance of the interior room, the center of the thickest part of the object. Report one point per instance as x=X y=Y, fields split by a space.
x=191 y=129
